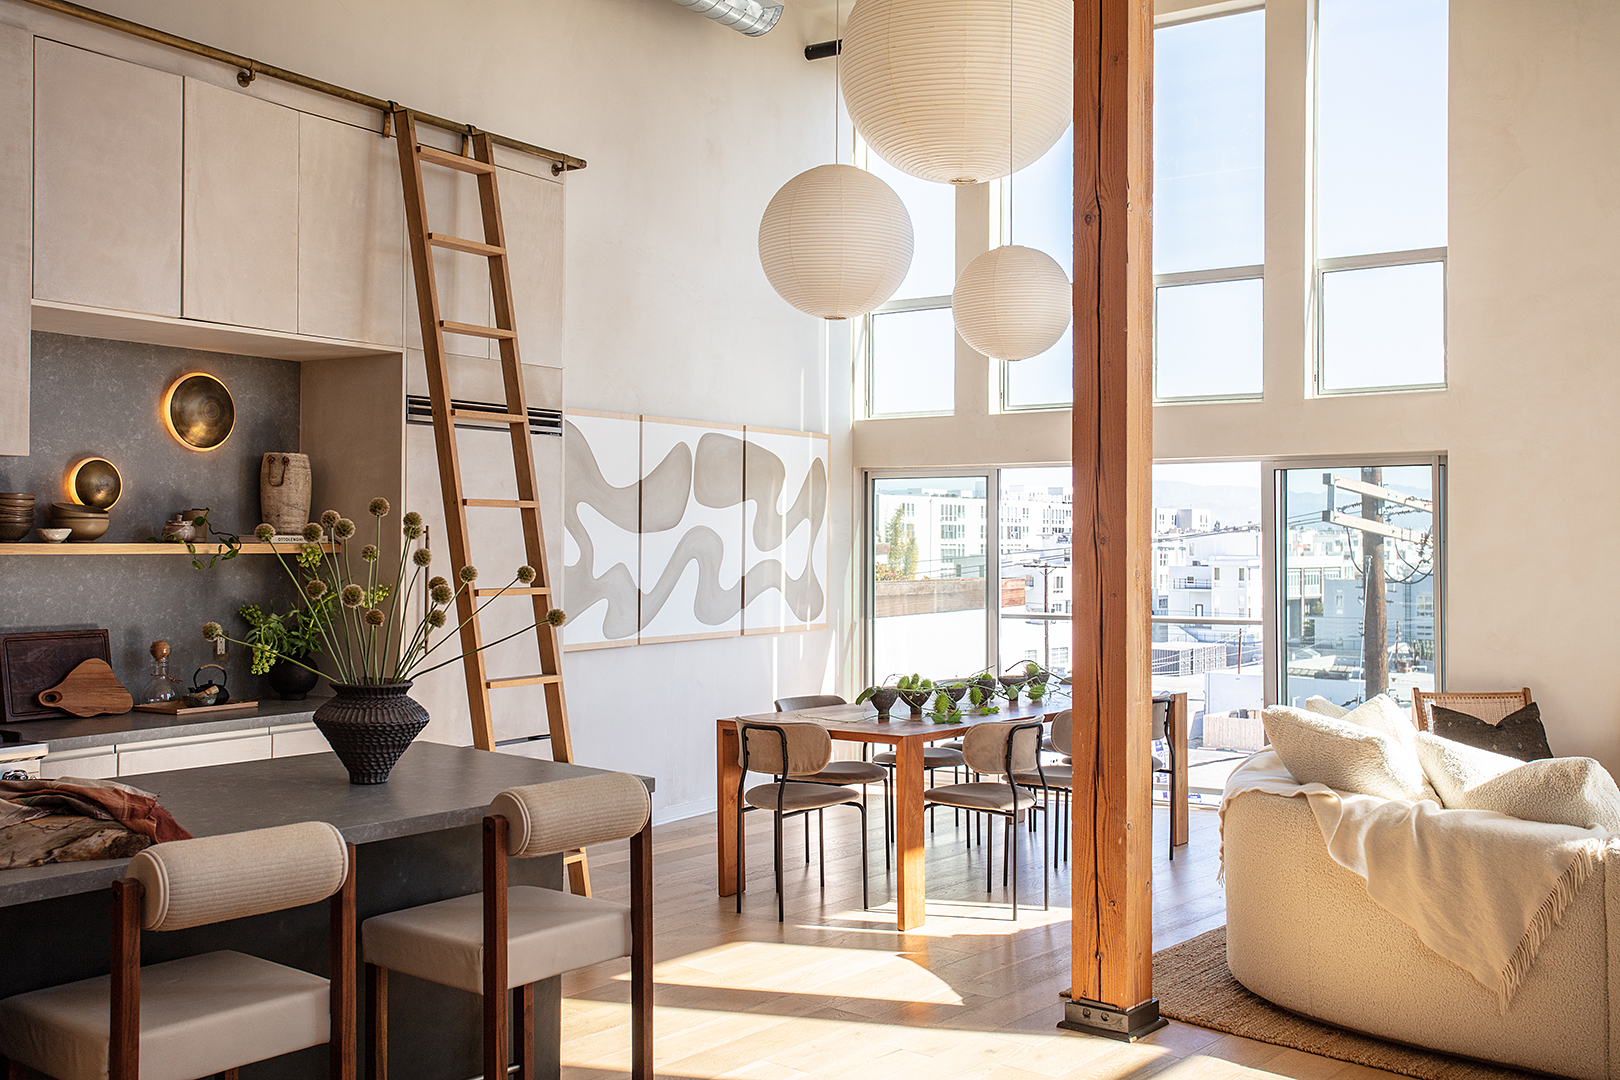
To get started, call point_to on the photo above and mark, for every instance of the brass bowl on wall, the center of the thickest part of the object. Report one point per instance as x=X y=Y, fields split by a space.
x=95 y=482
x=199 y=411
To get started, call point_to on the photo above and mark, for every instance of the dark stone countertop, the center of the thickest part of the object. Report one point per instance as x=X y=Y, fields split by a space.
x=434 y=787
x=77 y=733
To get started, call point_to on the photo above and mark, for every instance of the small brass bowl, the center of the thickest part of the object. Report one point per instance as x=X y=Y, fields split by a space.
x=199 y=411
x=95 y=482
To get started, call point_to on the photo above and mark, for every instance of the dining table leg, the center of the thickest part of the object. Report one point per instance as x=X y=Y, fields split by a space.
x=727 y=773
x=910 y=886
x=1177 y=731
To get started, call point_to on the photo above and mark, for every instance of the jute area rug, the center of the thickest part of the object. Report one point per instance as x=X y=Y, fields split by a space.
x=1194 y=986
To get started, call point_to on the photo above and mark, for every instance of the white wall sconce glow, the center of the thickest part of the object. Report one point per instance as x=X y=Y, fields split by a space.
x=835 y=241
x=1012 y=303
x=933 y=84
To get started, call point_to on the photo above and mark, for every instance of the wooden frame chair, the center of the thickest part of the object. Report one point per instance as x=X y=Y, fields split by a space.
x=482 y=942
x=788 y=752
x=1491 y=706
x=213 y=1013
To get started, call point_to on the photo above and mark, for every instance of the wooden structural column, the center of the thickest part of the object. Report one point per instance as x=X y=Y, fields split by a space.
x=1112 y=991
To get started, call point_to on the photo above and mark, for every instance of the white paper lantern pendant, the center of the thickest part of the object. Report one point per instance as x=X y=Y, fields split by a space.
x=938 y=89
x=835 y=241
x=1012 y=303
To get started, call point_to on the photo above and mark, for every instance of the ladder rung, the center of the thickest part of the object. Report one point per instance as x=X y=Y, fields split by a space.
x=461 y=243
x=454 y=161
x=510 y=504
x=522 y=680
x=512 y=592
x=491 y=417
x=473 y=330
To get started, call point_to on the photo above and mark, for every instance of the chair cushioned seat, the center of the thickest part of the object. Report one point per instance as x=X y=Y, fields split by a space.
x=548 y=933
x=1057 y=776
x=983 y=796
x=934 y=757
x=800 y=796
x=199 y=1015
x=847 y=772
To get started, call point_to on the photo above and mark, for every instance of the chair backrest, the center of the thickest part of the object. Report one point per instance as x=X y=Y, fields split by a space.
x=1063 y=732
x=1161 y=720
x=808 y=701
x=986 y=746
x=1491 y=706
x=545 y=819
x=793 y=748
x=213 y=878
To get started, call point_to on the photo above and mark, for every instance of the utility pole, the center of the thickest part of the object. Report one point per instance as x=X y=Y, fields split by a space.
x=1374 y=637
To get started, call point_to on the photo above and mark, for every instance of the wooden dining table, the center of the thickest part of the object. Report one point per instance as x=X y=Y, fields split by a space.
x=909 y=737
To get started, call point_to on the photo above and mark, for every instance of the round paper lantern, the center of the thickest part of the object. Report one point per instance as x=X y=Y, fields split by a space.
x=1012 y=303
x=927 y=83
x=835 y=241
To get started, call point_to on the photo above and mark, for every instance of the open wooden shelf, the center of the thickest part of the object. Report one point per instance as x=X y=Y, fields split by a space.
x=94 y=547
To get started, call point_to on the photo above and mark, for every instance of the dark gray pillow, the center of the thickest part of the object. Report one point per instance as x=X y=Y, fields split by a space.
x=1519 y=734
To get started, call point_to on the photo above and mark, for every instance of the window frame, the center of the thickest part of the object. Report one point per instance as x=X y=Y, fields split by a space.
x=868 y=353
x=1208 y=277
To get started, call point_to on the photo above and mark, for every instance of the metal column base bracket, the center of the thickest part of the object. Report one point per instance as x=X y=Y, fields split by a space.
x=1095 y=1018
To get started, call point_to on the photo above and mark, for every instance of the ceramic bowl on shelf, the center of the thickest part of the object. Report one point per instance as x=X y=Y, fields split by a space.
x=83 y=529
x=12 y=531
x=75 y=510
x=53 y=536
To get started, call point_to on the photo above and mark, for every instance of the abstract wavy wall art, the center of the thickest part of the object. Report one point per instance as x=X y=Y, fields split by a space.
x=729 y=527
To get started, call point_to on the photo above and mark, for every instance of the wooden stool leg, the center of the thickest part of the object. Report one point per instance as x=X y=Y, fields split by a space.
x=641 y=954
x=523 y=1029
x=376 y=1022
x=16 y=1070
x=228 y=1074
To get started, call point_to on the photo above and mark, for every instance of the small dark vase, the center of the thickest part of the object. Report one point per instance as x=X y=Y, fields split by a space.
x=916 y=699
x=291 y=682
x=883 y=699
x=370 y=727
x=1012 y=685
x=954 y=691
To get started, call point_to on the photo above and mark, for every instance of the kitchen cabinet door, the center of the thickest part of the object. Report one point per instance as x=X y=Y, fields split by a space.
x=241 y=210
x=351 y=234
x=16 y=233
x=463 y=280
x=532 y=211
x=107 y=181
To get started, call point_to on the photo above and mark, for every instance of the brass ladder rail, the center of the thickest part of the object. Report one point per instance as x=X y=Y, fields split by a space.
x=492 y=246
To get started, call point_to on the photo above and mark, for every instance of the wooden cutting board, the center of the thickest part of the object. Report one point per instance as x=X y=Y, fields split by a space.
x=38 y=660
x=91 y=689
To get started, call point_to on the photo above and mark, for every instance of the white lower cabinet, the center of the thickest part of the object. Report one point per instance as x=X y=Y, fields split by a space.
x=192 y=751
x=296 y=739
x=91 y=763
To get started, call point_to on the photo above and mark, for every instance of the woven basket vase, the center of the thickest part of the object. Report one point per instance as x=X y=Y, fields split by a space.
x=370 y=727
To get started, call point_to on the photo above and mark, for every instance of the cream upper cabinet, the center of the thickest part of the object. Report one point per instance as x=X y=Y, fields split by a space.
x=453 y=207
x=532 y=211
x=107 y=181
x=241 y=210
x=16 y=233
x=351 y=234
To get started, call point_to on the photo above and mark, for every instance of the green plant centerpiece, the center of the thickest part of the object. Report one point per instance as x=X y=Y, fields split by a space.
x=915 y=691
x=882 y=699
x=366 y=631
x=944 y=710
x=296 y=635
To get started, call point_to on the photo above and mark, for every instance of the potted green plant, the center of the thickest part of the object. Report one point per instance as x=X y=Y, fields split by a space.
x=915 y=691
x=370 y=635
x=982 y=699
x=945 y=710
x=882 y=699
x=283 y=645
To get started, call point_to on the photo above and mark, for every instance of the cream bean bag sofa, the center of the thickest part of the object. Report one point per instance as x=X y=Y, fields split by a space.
x=1304 y=932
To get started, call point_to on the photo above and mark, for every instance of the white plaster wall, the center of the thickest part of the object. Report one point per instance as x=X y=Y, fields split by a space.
x=1529 y=420
x=688 y=128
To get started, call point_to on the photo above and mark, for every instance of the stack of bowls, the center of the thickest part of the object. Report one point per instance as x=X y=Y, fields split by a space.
x=16 y=515
x=86 y=522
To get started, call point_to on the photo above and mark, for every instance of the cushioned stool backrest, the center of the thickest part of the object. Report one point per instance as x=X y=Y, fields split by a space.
x=545 y=819
x=1063 y=732
x=214 y=878
x=808 y=701
x=985 y=747
x=809 y=748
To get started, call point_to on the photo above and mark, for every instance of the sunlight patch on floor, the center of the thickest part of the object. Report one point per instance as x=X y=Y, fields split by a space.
x=772 y=967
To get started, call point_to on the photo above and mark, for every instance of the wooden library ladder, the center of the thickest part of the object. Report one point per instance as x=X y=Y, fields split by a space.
x=412 y=155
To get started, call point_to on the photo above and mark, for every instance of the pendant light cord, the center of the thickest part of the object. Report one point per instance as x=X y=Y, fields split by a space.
x=1011 y=69
x=838 y=74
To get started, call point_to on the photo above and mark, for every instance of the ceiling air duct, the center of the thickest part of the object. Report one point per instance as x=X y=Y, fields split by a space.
x=745 y=16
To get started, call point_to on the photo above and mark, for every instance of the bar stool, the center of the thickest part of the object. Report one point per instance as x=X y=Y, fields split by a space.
x=842 y=773
x=208 y=1014
x=526 y=934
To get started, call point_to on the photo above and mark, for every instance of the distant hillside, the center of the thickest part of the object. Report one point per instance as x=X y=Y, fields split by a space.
x=1229 y=505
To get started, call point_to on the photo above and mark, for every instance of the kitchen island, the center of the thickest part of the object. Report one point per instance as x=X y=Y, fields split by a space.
x=417 y=840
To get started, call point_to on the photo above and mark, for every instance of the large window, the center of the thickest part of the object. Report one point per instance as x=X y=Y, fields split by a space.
x=1036 y=512
x=1360 y=558
x=1380 y=194
x=910 y=342
x=929 y=566
x=1038 y=211
x=1209 y=207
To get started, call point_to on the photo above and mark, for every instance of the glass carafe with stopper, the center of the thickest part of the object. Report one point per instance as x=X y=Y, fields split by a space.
x=162 y=686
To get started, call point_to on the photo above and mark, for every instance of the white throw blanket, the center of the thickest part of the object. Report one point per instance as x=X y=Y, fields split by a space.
x=1481 y=889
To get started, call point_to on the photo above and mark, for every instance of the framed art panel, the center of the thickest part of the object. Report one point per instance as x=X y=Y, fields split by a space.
x=785 y=525
x=691 y=530
x=602 y=525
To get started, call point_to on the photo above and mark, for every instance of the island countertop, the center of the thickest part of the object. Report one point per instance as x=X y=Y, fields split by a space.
x=433 y=788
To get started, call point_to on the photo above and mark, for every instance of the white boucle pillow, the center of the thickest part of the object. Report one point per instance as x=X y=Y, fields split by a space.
x=1559 y=791
x=1344 y=756
x=1323 y=707
x=1454 y=767
x=1385 y=716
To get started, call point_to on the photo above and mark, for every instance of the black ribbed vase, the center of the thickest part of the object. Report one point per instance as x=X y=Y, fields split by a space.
x=369 y=727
